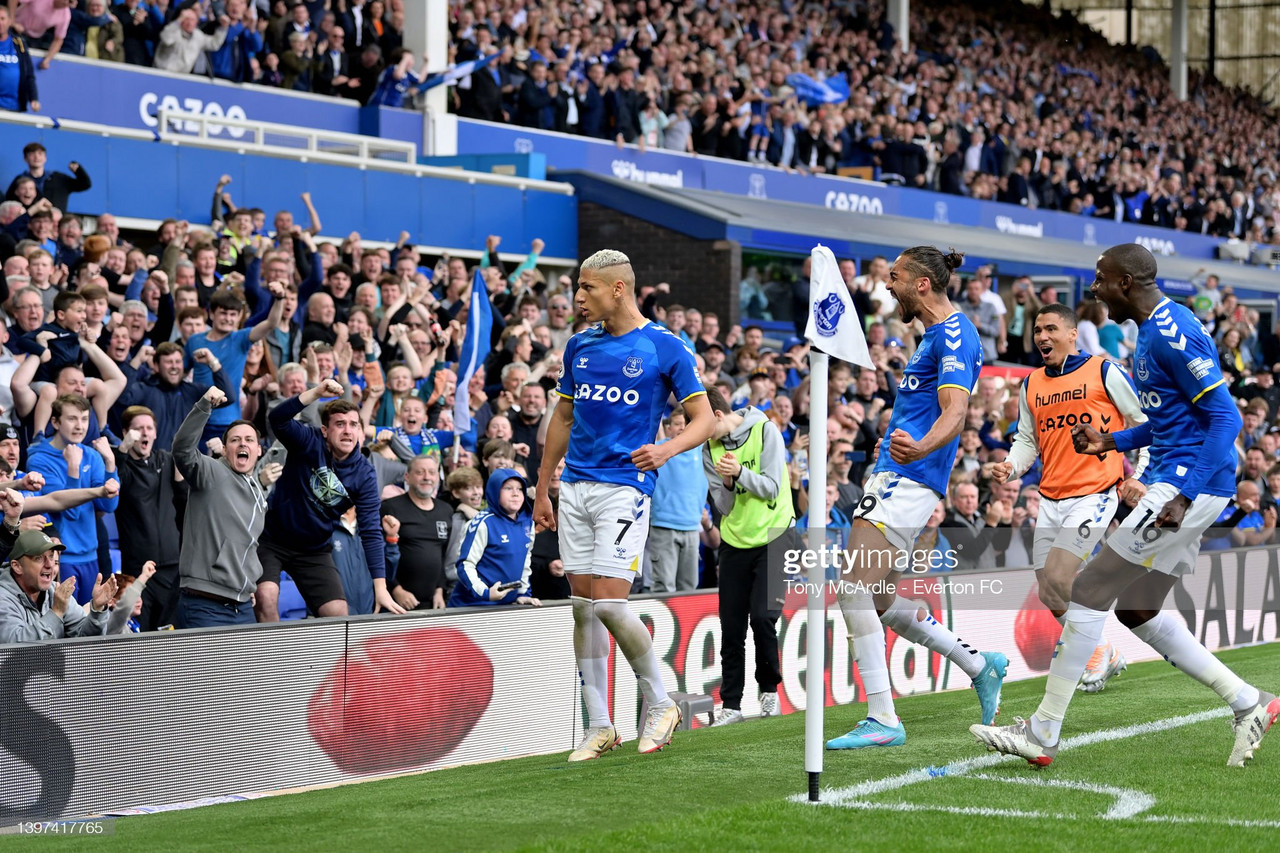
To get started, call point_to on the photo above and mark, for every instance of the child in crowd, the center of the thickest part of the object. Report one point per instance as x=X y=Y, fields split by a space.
x=494 y=564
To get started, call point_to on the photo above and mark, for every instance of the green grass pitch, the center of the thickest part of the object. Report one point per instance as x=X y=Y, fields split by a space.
x=732 y=789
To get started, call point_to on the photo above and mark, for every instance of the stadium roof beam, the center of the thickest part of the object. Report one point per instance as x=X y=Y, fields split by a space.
x=899 y=14
x=1178 y=50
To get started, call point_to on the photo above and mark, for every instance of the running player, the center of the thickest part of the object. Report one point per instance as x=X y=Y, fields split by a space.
x=1191 y=428
x=613 y=389
x=1077 y=492
x=909 y=479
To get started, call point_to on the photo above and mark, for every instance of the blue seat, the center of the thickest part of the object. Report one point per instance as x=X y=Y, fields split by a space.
x=109 y=525
x=291 y=605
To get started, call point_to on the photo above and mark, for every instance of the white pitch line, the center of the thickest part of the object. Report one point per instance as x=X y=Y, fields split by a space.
x=977 y=811
x=968 y=811
x=847 y=795
x=1128 y=802
x=1221 y=821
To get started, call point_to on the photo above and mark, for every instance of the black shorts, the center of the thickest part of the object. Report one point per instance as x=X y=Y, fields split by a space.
x=314 y=572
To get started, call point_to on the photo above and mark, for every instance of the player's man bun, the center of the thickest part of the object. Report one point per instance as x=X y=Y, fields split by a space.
x=929 y=262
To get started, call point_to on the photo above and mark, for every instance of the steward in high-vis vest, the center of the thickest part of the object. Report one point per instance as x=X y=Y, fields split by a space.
x=746 y=466
x=1079 y=494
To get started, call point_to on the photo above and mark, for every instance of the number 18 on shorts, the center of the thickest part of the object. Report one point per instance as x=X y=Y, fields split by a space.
x=603 y=529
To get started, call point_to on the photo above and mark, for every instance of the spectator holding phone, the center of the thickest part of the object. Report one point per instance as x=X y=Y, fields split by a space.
x=495 y=561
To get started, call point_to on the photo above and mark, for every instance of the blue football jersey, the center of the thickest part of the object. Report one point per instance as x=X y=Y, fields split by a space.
x=619 y=387
x=949 y=356
x=1175 y=364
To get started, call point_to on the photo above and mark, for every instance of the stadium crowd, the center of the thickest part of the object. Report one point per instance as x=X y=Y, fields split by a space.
x=119 y=354
x=998 y=100
x=1001 y=100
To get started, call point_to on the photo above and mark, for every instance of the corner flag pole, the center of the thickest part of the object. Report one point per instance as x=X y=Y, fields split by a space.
x=816 y=627
x=834 y=326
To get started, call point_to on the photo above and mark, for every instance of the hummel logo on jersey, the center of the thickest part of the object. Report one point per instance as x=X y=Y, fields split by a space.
x=505 y=539
x=634 y=367
x=582 y=362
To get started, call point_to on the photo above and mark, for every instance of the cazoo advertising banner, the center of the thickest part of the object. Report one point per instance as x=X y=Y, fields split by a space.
x=847 y=196
x=127 y=724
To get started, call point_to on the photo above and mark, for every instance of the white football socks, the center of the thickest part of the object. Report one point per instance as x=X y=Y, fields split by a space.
x=1168 y=635
x=1080 y=637
x=904 y=618
x=636 y=643
x=591 y=648
x=868 y=646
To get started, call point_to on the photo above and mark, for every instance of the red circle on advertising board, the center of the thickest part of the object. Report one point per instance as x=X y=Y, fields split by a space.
x=401 y=700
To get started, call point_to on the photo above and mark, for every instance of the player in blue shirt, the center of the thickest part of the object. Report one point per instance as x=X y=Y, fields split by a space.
x=910 y=477
x=1191 y=427
x=612 y=393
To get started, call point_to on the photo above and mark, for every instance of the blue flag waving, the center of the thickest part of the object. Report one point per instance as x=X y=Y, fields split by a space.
x=475 y=349
x=456 y=73
x=833 y=90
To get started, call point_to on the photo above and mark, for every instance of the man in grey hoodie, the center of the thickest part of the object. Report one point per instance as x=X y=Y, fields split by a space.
x=218 y=565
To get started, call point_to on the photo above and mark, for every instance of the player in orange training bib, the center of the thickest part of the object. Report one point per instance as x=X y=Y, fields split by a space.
x=1078 y=493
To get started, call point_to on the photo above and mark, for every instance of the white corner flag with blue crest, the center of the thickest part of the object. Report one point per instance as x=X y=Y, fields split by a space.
x=834 y=330
x=833 y=326
x=475 y=349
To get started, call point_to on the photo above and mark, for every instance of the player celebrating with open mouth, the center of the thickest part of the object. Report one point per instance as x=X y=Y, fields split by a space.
x=1078 y=492
x=613 y=391
x=910 y=477
x=1191 y=427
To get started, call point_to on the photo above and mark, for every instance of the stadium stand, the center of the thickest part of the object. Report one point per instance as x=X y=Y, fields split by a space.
x=265 y=298
x=995 y=101
x=1000 y=101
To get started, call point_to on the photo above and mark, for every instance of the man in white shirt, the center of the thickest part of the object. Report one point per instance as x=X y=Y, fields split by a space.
x=876 y=285
x=989 y=296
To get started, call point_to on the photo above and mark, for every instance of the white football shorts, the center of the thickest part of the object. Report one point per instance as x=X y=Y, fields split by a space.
x=1173 y=552
x=603 y=529
x=899 y=507
x=1075 y=525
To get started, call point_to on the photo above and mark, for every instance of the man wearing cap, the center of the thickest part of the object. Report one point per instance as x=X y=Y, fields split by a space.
x=759 y=391
x=713 y=357
x=10 y=446
x=33 y=605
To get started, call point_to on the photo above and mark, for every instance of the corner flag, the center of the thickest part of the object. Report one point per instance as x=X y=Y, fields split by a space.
x=833 y=323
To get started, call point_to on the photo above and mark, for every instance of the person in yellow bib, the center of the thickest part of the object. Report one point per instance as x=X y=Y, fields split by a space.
x=746 y=466
x=1078 y=493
